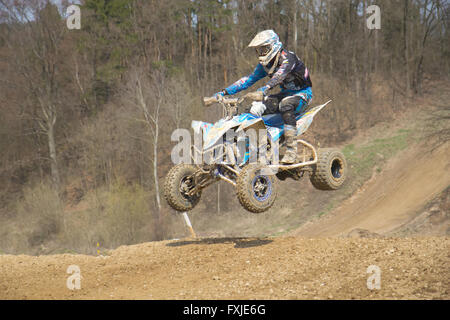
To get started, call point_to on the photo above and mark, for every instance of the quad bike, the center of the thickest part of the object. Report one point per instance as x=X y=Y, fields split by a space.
x=255 y=181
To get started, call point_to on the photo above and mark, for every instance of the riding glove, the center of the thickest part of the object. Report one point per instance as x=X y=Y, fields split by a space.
x=257 y=108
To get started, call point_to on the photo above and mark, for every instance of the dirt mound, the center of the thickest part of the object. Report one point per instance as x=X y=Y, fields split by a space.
x=433 y=220
x=239 y=268
x=391 y=199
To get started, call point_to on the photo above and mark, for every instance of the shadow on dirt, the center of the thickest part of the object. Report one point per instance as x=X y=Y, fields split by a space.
x=238 y=242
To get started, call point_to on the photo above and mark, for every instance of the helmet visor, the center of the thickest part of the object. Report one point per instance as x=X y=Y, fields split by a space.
x=263 y=50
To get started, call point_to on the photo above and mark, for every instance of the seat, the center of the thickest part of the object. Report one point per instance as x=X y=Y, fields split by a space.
x=276 y=120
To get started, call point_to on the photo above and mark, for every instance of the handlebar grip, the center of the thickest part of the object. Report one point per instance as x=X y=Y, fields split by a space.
x=209 y=100
x=255 y=96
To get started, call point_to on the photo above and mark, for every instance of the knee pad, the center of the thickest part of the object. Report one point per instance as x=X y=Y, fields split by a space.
x=287 y=109
x=289 y=104
x=271 y=104
x=289 y=118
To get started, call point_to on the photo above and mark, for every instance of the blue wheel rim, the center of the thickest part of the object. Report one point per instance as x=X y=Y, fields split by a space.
x=261 y=188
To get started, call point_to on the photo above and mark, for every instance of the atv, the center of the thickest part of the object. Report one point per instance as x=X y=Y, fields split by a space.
x=227 y=148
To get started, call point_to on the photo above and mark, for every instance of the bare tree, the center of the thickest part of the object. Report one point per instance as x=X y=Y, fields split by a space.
x=146 y=92
x=39 y=32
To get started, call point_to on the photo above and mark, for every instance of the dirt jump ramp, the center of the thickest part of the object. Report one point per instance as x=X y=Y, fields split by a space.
x=391 y=198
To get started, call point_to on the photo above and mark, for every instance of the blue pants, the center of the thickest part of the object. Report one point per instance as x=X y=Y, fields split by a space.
x=289 y=103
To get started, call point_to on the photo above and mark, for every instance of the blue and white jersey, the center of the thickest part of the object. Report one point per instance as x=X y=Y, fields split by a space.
x=290 y=74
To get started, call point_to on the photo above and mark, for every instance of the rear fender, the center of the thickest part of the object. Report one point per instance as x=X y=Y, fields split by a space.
x=305 y=121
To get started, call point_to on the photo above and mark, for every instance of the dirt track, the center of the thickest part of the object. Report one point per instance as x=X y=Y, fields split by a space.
x=281 y=268
x=295 y=267
x=390 y=199
x=315 y=262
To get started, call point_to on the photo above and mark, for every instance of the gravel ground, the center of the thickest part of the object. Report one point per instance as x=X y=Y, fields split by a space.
x=239 y=268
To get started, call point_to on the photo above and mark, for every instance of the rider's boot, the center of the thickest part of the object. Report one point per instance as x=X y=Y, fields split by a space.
x=290 y=134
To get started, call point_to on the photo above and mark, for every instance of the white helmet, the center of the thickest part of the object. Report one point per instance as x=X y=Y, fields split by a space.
x=267 y=45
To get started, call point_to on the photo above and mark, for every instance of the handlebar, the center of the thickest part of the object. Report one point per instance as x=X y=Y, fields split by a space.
x=211 y=100
x=226 y=101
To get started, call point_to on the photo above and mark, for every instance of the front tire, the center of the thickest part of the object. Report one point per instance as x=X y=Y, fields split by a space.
x=330 y=171
x=179 y=180
x=256 y=191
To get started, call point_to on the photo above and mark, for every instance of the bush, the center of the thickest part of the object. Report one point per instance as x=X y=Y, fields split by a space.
x=114 y=216
x=40 y=214
x=125 y=213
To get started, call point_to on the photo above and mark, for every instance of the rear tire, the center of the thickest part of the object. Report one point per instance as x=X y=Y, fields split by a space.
x=256 y=192
x=330 y=171
x=178 y=181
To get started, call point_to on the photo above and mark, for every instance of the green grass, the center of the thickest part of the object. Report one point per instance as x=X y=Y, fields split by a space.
x=363 y=159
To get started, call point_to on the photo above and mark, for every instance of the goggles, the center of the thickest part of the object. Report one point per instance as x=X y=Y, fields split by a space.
x=263 y=50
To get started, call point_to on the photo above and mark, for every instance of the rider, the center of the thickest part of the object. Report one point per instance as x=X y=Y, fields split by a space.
x=285 y=69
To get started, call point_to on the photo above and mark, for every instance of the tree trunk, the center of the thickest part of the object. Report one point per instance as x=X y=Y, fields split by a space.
x=53 y=160
x=406 y=49
x=295 y=42
x=155 y=167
